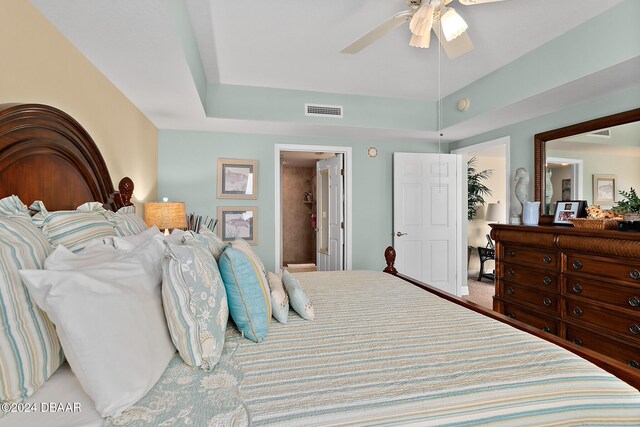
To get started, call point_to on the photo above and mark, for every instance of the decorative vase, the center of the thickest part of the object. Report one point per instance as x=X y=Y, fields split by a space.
x=530 y=213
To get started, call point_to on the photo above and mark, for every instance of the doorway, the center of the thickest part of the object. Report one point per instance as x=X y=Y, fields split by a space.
x=313 y=215
x=491 y=155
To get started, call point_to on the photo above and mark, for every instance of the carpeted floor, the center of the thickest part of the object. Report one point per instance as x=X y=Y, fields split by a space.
x=481 y=292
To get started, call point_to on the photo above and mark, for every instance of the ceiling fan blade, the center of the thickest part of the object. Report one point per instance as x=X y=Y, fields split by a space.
x=456 y=47
x=378 y=32
x=472 y=2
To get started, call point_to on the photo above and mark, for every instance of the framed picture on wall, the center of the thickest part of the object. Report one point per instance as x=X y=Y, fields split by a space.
x=604 y=189
x=238 y=222
x=237 y=179
x=570 y=209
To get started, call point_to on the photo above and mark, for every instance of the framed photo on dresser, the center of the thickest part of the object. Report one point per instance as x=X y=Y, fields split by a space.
x=568 y=210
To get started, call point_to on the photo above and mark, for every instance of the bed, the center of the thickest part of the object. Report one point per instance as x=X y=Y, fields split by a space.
x=383 y=349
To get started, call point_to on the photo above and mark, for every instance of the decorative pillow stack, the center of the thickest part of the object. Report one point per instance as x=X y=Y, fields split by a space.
x=29 y=348
x=279 y=298
x=298 y=297
x=195 y=302
x=107 y=308
x=247 y=293
x=73 y=229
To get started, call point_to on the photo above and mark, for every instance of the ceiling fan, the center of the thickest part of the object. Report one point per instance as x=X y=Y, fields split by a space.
x=423 y=16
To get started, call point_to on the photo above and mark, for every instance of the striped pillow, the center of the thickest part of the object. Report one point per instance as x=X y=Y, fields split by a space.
x=12 y=205
x=195 y=302
x=29 y=348
x=73 y=229
x=125 y=221
x=247 y=293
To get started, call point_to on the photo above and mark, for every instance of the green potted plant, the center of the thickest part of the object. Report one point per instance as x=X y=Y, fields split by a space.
x=475 y=188
x=629 y=206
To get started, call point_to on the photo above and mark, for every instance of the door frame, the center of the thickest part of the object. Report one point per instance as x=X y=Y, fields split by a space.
x=577 y=167
x=348 y=205
x=506 y=141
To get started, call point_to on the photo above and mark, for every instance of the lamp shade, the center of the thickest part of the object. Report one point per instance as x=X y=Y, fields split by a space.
x=452 y=24
x=165 y=215
x=493 y=212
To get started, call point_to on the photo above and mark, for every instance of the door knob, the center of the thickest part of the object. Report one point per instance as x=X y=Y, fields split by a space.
x=400 y=234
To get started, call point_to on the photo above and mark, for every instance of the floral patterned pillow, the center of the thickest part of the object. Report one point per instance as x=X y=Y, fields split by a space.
x=195 y=302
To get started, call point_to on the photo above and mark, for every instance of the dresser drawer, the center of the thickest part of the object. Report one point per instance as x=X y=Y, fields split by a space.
x=627 y=272
x=537 y=258
x=541 y=299
x=547 y=324
x=617 y=295
x=627 y=354
x=543 y=280
x=607 y=320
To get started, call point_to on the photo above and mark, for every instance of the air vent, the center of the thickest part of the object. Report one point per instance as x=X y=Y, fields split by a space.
x=318 y=110
x=604 y=133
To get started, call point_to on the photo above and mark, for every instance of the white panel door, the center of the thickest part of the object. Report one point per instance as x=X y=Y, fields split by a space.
x=427 y=218
x=330 y=191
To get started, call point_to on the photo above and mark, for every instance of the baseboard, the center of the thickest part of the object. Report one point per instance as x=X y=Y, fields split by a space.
x=464 y=291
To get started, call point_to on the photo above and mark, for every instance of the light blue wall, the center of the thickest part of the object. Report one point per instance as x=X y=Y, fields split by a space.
x=522 y=133
x=263 y=103
x=187 y=163
x=610 y=38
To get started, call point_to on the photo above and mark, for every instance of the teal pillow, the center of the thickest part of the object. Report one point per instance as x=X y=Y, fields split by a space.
x=247 y=293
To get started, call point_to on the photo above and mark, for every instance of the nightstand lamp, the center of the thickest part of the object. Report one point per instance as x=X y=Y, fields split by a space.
x=165 y=215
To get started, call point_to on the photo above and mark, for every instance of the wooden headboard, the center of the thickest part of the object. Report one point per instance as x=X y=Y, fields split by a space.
x=47 y=155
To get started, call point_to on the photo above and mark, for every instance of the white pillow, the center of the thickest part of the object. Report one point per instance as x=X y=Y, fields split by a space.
x=109 y=317
x=131 y=242
x=297 y=297
x=279 y=298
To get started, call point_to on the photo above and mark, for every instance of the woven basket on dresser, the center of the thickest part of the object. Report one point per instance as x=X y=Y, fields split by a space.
x=598 y=224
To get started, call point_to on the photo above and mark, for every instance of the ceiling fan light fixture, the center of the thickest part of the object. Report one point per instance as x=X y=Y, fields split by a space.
x=452 y=24
x=422 y=20
x=420 y=41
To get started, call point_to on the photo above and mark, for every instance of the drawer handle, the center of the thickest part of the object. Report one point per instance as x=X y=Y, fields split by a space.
x=546 y=302
x=547 y=329
x=635 y=329
x=577 y=265
x=511 y=315
x=511 y=272
x=577 y=312
x=634 y=302
x=511 y=253
x=635 y=274
x=547 y=281
x=510 y=290
x=577 y=341
x=634 y=364
x=547 y=260
x=577 y=288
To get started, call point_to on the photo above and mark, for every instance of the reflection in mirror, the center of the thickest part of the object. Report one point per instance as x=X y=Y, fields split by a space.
x=566 y=159
x=572 y=163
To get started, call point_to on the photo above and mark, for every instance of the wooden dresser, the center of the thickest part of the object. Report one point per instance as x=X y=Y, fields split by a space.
x=582 y=285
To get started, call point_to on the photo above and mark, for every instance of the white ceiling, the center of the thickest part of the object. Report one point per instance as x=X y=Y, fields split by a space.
x=295 y=44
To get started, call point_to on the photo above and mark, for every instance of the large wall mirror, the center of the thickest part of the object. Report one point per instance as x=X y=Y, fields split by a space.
x=588 y=161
